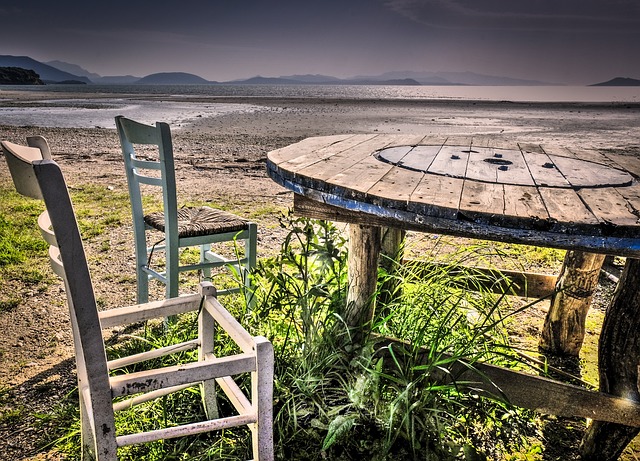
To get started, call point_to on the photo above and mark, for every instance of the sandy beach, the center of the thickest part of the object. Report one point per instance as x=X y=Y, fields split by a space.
x=221 y=159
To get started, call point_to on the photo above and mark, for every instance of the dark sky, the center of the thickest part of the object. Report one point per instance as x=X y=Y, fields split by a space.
x=559 y=41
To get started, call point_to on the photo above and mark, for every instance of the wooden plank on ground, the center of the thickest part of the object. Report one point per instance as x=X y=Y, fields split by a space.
x=499 y=281
x=520 y=389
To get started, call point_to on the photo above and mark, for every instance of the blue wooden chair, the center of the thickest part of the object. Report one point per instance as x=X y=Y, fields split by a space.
x=181 y=227
x=97 y=385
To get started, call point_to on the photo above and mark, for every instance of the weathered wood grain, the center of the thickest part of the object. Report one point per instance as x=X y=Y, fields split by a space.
x=543 y=170
x=450 y=161
x=345 y=167
x=291 y=151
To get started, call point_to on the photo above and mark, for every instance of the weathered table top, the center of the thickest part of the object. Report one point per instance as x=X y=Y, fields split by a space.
x=476 y=187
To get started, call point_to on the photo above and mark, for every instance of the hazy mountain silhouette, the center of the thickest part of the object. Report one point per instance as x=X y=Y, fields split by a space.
x=58 y=71
x=172 y=78
x=47 y=73
x=619 y=81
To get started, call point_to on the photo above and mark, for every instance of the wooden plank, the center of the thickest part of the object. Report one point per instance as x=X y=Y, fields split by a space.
x=356 y=181
x=399 y=140
x=517 y=173
x=463 y=141
x=590 y=155
x=609 y=206
x=629 y=163
x=580 y=173
x=423 y=218
x=481 y=142
x=543 y=170
x=311 y=157
x=394 y=155
x=308 y=144
x=631 y=195
x=478 y=169
x=532 y=148
x=496 y=143
x=437 y=196
x=498 y=165
x=420 y=158
x=499 y=281
x=326 y=167
x=520 y=389
x=397 y=186
x=566 y=207
x=450 y=161
x=482 y=200
x=524 y=202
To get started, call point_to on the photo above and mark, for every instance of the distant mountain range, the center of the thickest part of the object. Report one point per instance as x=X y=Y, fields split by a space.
x=63 y=72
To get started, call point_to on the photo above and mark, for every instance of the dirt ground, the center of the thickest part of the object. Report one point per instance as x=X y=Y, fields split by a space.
x=222 y=159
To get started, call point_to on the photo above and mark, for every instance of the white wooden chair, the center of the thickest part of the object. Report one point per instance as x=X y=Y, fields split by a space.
x=180 y=227
x=40 y=178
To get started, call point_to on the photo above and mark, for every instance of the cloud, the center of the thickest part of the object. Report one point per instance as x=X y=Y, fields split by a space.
x=621 y=16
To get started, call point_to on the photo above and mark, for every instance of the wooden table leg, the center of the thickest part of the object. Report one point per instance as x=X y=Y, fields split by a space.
x=618 y=360
x=391 y=255
x=364 y=249
x=564 y=326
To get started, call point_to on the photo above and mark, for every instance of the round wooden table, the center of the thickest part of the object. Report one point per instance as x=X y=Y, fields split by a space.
x=476 y=187
x=481 y=187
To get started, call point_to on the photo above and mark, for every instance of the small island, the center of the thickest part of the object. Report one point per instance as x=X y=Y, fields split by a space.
x=619 y=81
x=19 y=76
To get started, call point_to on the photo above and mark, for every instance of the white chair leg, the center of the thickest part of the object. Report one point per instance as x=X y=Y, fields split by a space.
x=262 y=398
x=208 y=391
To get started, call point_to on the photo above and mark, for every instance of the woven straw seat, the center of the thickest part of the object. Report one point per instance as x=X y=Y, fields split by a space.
x=198 y=221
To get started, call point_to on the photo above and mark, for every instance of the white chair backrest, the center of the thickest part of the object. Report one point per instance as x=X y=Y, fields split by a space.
x=42 y=178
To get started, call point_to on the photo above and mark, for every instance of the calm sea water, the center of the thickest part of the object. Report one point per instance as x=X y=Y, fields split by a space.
x=99 y=111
